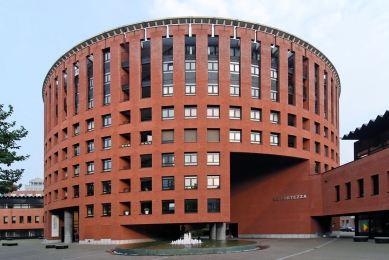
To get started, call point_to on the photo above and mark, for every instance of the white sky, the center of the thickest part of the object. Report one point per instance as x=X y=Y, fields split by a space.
x=354 y=35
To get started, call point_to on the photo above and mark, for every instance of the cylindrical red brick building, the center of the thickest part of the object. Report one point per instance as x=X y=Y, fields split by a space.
x=200 y=120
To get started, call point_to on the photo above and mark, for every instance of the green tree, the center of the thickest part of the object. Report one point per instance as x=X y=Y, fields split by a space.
x=8 y=138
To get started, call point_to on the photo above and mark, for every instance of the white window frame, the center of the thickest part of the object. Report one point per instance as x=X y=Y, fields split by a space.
x=213 y=66
x=190 y=112
x=234 y=90
x=190 y=89
x=192 y=181
x=190 y=158
x=76 y=170
x=274 y=139
x=255 y=137
x=213 y=158
x=76 y=149
x=107 y=121
x=213 y=90
x=235 y=113
x=190 y=65
x=213 y=112
x=235 y=136
x=167 y=90
x=107 y=165
x=107 y=140
x=167 y=67
x=168 y=113
x=76 y=129
x=274 y=117
x=91 y=146
x=90 y=167
x=255 y=114
x=213 y=181
x=90 y=125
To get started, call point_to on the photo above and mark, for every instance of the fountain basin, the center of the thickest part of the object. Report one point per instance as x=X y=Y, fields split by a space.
x=206 y=247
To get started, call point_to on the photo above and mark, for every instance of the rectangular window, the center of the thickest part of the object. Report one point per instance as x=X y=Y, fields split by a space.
x=90 y=167
x=274 y=139
x=375 y=184
x=213 y=205
x=146 y=184
x=89 y=210
x=167 y=159
x=167 y=113
x=255 y=114
x=107 y=209
x=28 y=219
x=255 y=137
x=21 y=219
x=213 y=158
x=317 y=147
x=234 y=79
x=190 y=78
x=168 y=207
x=213 y=78
x=36 y=219
x=107 y=165
x=291 y=120
x=90 y=146
x=145 y=114
x=190 y=182
x=146 y=161
x=235 y=113
x=5 y=219
x=213 y=135
x=106 y=120
x=106 y=187
x=317 y=167
x=76 y=191
x=167 y=136
x=361 y=188
x=190 y=89
x=167 y=90
x=107 y=142
x=317 y=128
x=90 y=189
x=337 y=193
x=190 y=135
x=76 y=149
x=167 y=183
x=13 y=219
x=213 y=112
x=348 y=190
x=274 y=117
x=90 y=125
x=235 y=136
x=190 y=112
x=213 y=182
x=190 y=205
x=76 y=128
x=213 y=90
x=76 y=169
x=190 y=158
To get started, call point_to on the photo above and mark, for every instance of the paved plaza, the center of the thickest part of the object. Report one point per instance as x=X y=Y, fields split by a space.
x=318 y=248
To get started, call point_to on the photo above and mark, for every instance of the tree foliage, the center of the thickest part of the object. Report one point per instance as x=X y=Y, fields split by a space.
x=8 y=145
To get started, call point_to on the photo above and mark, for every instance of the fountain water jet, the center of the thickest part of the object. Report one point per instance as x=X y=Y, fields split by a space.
x=187 y=240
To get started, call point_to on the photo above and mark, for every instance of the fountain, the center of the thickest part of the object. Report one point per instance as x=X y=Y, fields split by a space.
x=187 y=240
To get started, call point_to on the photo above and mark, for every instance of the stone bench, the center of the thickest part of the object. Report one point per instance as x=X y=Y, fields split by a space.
x=381 y=240
x=361 y=238
x=62 y=247
x=10 y=244
x=50 y=246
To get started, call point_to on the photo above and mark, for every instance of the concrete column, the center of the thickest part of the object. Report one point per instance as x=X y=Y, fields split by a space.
x=212 y=231
x=221 y=231
x=68 y=226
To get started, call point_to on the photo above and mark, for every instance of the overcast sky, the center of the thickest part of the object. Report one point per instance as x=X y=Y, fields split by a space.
x=354 y=35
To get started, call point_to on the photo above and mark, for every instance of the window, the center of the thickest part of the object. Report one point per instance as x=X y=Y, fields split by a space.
x=235 y=113
x=190 y=182
x=90 y=167
x=167 y=113
x=190 y=89
x=234 y=79
x=213 y=182
x=361 y=188
x=89 y=210
x=190 y=78
x=167 y=90
x=167 y=183
x=274 y=117
x=107 y=209
x=21 y=219
x=317 y=147
x=106 y=187
x=235 y=136
x=255 y=114
x=190 y=135
x=190 y=112
x=167 y=136
x=106 y=142
x=106 y=120
x=213 y=158
x=90 y=125
x=145 y=114
x=317 y=128
x=167 y=206
x=190 y=205
x=146 y=184
x=213 y=135
x=107 y=165
x=90 y=187
x=90 y=146
x=317 y=167
x=375 y=184
x=291 y=141
x=76 y=169
x=255 y=81
x=76 y=128
x=146 y=161
x=348 y=190
x=213 y=205
x=13 y=219
x=255 y=137
x=213 y=78
x=167 y=159
x=325 y=132
x=291 y=120
x=36 y=219
x=167 y=66
x=274 y=139
x=76 y=191
x=76 y=148
x=213 y=90
x=5 y=220
x=213 y=112
x=337 y=193
x=190 y=158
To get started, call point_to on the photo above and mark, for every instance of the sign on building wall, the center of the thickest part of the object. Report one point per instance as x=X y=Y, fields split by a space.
x=54 y=226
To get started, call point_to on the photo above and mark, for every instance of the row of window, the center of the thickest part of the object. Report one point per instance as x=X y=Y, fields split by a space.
x=146 y=184
x=168 y=207
x=375 y=188
x=21 y=219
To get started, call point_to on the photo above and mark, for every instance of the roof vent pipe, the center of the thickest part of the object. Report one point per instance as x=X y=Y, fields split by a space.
x=145 y=34
x=167 y=31
x=213 y=30
x=234 y=32
x=190 y=30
